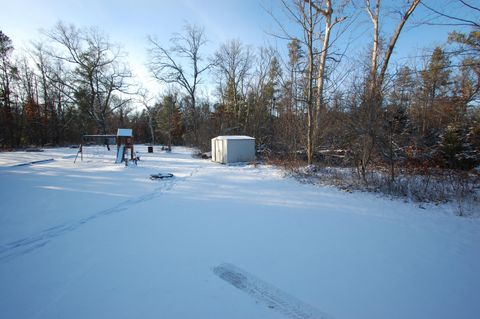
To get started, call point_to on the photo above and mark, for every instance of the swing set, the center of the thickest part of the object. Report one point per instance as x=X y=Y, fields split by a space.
x=123 y=139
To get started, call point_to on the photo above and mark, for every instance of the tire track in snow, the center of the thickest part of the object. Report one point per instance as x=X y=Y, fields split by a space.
x=267 y=294
x=25 y=245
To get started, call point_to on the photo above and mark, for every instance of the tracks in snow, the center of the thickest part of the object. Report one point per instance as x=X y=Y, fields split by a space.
x=267 y=294
x=25 y=245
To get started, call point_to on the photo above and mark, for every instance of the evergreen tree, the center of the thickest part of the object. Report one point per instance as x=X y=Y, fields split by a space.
x=469 y=50
x=7 y=73
x=433 y=97
x=169 y=121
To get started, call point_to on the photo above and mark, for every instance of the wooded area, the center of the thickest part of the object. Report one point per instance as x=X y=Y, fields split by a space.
x=300 y=107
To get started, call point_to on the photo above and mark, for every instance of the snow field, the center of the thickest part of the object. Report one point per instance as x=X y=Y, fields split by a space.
x=99 y=240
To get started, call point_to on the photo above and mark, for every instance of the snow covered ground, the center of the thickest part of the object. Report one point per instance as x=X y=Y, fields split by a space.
x=99 y=240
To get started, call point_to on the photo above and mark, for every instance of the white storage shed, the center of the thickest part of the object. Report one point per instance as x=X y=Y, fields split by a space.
x=233 y=149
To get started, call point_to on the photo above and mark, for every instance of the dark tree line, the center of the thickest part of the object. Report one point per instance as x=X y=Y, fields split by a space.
x=73 y=83
x=299 y=106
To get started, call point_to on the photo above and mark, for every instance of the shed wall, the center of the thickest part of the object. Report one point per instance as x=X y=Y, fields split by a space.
x=232 y=150
x=240 y=151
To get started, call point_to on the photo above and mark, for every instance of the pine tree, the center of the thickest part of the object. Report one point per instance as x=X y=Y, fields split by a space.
x=169 y=120
x=470 y=49
x=433 y=97
x=7 y=73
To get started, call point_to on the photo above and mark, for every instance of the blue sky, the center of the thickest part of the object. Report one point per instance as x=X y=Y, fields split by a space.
x=129 y=23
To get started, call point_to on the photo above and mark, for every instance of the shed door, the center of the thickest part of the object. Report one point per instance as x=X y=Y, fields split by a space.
x=219 y=151
x=214 y=150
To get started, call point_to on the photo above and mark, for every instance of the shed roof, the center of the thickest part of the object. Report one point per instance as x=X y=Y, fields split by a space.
x=99 y=136
x=125 y=132
x=234 y=137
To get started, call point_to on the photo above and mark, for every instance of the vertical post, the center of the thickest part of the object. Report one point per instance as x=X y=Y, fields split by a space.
x=79 y=151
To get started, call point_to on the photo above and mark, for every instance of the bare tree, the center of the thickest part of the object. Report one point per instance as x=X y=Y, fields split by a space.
x=326 y=9
x=148 y=102
x=305 y=15
x=372 y=101
x=167 y=64
x=232 y=63
x=404 y=15
x=98 y=72
x=308 y=15
x=263 y=94
x=453 y=17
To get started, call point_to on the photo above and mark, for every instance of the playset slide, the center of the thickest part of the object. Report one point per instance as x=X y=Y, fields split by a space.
x=120 y=153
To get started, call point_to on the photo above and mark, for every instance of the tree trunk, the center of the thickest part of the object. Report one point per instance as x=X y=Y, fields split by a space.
x=310 y=104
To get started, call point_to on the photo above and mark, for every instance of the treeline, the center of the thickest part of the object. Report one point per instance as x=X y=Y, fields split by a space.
x=311 y=104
